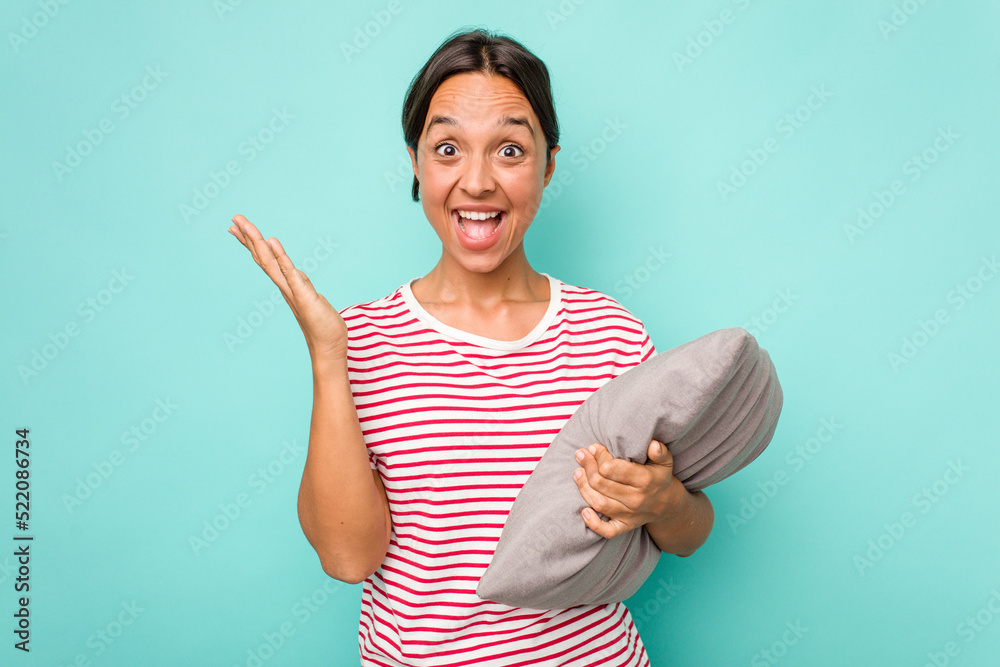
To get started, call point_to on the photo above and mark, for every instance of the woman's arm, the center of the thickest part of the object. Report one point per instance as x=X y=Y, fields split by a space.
x=342 y=506
x=684 y=531
x=343 y=512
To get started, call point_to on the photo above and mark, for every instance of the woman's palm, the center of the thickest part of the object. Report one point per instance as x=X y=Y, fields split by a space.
x=323 y=327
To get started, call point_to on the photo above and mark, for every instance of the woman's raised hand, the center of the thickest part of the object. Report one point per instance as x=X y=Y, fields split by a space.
x=322 y=325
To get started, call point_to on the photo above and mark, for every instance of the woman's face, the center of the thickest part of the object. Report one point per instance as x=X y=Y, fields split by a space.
x=481 y=149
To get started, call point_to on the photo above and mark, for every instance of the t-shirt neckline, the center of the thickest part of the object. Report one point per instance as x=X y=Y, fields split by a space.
x=555 y=300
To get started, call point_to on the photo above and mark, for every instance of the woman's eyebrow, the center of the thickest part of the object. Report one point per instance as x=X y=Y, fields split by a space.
x=503 y=121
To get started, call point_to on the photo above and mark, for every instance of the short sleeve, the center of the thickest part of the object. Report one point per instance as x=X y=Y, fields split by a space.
x=371 y=460
x=646 y=347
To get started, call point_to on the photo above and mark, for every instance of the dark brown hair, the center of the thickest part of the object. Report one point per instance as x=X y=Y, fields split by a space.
x=491 y=53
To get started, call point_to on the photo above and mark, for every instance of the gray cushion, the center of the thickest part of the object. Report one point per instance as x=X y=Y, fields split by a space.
x=714 y=401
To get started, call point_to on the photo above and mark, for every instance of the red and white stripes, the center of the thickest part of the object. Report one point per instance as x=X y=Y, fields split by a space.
x=455 y=423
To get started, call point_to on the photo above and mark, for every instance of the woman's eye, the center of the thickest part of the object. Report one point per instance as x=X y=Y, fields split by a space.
x=509 y=151
x=440 y=146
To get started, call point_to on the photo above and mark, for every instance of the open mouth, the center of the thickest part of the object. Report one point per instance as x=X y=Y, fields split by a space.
x=478 y=225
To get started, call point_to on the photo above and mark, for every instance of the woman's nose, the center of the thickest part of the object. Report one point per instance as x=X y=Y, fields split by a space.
x=478 y=175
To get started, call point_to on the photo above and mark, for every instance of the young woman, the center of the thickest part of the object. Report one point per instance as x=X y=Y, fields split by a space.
x=453 y=386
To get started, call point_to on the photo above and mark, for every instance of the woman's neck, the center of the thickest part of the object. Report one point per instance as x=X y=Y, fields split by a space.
x=450 y=283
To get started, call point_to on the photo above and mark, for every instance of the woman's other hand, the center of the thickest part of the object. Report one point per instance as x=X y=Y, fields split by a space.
x=321 y=324
x=629 y=494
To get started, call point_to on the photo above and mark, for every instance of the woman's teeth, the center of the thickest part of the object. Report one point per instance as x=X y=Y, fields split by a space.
x=478 y=227
x=473 y=215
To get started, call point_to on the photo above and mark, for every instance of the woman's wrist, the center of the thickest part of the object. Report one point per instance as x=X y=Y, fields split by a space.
x=685 y=530
x=328 y=365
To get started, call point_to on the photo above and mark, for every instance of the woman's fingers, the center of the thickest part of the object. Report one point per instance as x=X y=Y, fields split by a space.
x=244 y=237
x=270 y=255
x=235 y=231
x=263 y=254
x=253 y=238
x=322 y=326
x=305 y=279
x=292 y=275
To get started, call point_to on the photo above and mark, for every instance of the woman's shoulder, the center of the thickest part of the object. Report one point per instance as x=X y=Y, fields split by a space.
x=580 y=297
x=384 y=306
x=594 y=313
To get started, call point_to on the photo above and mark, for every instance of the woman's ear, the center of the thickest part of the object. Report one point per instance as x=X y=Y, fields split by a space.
x=413 y=159
x=551 y=166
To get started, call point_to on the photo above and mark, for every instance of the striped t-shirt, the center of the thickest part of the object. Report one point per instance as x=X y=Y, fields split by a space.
x=454 y=423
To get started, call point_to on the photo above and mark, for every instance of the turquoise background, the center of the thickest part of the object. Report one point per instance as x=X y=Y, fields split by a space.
x=821 y=544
